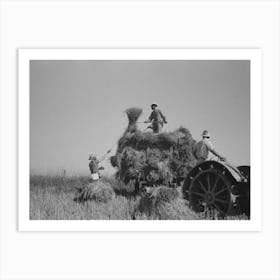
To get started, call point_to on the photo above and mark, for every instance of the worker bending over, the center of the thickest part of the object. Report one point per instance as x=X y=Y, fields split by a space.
x=203 y=147
x=157 y=119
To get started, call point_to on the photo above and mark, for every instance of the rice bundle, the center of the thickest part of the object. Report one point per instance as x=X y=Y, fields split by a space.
x=98 y=191
x=133 y=115
x=165 y=204
x=163 y=194
x=175 y=210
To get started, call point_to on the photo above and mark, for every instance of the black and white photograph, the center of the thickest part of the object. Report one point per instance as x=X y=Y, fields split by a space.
x=139 y=139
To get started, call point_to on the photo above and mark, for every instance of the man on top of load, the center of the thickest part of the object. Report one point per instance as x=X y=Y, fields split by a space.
x=203 y=147
x=157 y=119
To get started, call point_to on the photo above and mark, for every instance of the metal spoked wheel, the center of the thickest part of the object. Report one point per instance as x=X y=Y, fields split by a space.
x=210 y=189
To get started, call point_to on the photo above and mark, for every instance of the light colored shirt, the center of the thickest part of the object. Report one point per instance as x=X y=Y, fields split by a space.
x=203 y=147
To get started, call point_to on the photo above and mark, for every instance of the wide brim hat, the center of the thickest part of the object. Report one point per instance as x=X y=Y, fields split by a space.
x=205 y=133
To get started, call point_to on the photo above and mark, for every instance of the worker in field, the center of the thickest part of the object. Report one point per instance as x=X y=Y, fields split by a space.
x=203 y=147
x=157 y=119
x=94 y=167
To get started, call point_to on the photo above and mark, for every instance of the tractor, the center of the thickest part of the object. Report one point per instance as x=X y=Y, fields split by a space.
x=218 y=186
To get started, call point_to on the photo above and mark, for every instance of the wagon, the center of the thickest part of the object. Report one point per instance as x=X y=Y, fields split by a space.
x=218 y=186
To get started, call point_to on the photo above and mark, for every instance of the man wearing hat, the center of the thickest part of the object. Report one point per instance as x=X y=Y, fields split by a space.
x=157 y=119
x=94 y=168
x=203 y=147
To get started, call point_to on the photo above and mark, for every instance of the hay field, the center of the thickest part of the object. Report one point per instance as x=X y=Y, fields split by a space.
x=53 y=198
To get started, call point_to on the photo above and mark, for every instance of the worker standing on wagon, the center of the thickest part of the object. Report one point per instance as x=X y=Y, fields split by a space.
x=157 y=119
x=203 y=147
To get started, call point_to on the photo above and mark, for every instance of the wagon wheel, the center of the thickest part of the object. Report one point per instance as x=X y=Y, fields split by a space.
x=210 y=189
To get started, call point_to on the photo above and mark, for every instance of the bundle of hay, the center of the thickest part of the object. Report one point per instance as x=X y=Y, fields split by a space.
x=155 y=197
x=96 y=190
x=164 y=203
x=157 y=159
x=175 y=210
x=133 y=115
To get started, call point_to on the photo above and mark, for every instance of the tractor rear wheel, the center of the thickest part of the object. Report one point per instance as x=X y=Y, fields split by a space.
x=210 y=189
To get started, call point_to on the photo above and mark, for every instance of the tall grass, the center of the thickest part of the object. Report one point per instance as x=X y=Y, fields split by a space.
x=53 y=198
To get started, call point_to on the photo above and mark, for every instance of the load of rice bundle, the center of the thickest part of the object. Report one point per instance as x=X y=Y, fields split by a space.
x=164 y=203
x=133 y=115
x=98 y=191
x=154 y=158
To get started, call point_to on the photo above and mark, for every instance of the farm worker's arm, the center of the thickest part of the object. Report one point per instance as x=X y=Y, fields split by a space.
x=149 y=119
x=103 y=157
x=212 y=150
x=163 y=117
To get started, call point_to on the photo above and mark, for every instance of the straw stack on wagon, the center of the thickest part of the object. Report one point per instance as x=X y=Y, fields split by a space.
x=157 y=159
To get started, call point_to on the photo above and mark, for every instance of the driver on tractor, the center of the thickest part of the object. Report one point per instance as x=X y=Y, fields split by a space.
x=203 y=147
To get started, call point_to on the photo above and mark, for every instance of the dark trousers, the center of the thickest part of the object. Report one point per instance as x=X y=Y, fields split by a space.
x=157 y=127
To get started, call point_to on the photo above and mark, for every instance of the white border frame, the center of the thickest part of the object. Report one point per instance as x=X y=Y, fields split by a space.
x=24 y=57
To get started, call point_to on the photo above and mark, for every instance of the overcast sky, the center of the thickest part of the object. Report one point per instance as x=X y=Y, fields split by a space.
x=77 y=107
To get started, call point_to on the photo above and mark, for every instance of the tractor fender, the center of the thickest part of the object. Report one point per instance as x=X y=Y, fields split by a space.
x=230 y=172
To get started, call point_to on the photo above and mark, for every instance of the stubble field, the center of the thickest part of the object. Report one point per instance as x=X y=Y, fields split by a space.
x=54 y=198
